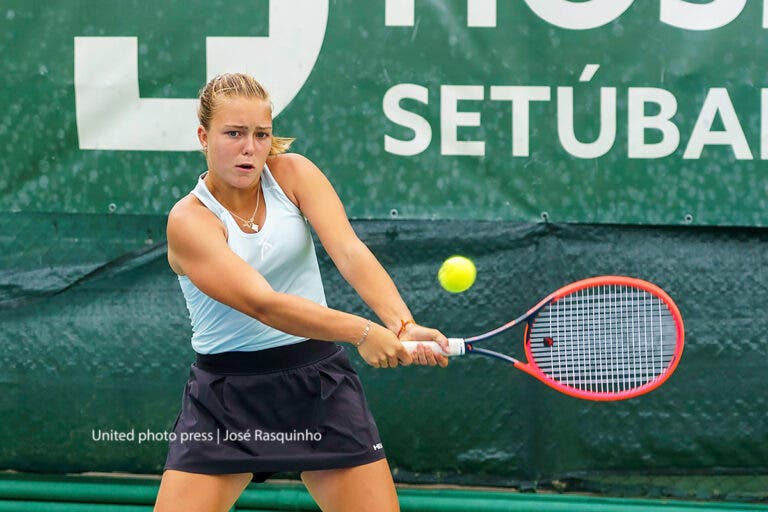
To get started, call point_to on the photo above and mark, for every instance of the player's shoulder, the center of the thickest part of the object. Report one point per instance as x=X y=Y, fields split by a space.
x=291 y=166
x=293 y=172
x=184 y=207
x=189 y=213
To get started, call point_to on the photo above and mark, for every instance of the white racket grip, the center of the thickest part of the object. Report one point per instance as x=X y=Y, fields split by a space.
x=455 y=346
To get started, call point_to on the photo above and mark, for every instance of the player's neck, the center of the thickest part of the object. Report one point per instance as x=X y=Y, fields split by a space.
x=232 y=197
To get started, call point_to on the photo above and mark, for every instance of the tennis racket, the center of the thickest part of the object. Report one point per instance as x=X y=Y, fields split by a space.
x=604 y=338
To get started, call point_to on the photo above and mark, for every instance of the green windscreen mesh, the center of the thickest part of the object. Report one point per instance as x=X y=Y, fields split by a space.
x=96 y=338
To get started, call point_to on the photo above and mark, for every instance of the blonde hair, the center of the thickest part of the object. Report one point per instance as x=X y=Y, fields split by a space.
x=231 y=85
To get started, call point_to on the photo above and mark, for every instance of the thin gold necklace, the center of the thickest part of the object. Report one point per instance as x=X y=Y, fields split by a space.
x=248 y=223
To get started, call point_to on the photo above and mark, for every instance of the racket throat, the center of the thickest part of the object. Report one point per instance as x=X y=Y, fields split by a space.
x=492 y=353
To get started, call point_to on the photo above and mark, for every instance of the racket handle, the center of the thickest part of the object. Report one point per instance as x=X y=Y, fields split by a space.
x=455 y=346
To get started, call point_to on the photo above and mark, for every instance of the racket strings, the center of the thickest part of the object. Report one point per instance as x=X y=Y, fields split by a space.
x=604 y=339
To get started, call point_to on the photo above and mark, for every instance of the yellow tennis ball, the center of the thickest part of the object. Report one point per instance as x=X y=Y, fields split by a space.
x=457 y=274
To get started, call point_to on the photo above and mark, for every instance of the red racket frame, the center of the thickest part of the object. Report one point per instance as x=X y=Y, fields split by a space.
x=533 y=370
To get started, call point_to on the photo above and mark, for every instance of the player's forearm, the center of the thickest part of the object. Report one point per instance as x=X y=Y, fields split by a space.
x=302 y=317
x=371 y=281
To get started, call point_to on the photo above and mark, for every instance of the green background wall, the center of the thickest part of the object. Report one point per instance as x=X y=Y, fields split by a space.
x=339 y=121
x=93 y=328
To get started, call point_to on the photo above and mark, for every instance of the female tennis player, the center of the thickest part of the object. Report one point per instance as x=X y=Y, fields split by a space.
x=271 y=389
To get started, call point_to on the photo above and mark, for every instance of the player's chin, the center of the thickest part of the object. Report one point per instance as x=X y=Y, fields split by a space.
x=244 y=181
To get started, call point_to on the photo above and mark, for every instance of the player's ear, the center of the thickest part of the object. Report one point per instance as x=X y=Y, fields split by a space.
x=202 y=136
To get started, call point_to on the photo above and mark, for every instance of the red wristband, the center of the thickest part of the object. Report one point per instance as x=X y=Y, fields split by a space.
x=404 y=323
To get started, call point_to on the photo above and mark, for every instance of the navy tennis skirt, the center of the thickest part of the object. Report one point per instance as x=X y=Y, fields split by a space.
x=293 y=408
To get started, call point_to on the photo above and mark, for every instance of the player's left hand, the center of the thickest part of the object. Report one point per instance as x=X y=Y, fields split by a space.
x=423 y=355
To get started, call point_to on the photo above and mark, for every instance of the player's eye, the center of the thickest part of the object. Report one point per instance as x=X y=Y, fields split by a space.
x=233 y=133
x=262 y=135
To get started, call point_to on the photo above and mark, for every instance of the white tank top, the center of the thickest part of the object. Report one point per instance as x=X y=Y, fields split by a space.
x=282 y=251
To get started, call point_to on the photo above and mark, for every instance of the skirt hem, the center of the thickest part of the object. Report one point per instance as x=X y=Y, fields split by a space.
x=224 y=468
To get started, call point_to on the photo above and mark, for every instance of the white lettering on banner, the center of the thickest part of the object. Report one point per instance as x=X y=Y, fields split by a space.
x=639 y=122
x=589 y=14
x=520 y=97
x=691 y=16
x=764 y=124
x=451 y=118
x=399 y=13
x=111 y=114
x=420 y=126
x=565 y=126
x=481 y=13
x=588 y=73
x=566 y=130
x=765 y=13
x=717 y=103
x=579 y=16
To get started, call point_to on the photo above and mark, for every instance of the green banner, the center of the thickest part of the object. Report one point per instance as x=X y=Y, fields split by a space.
x=598 y=111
